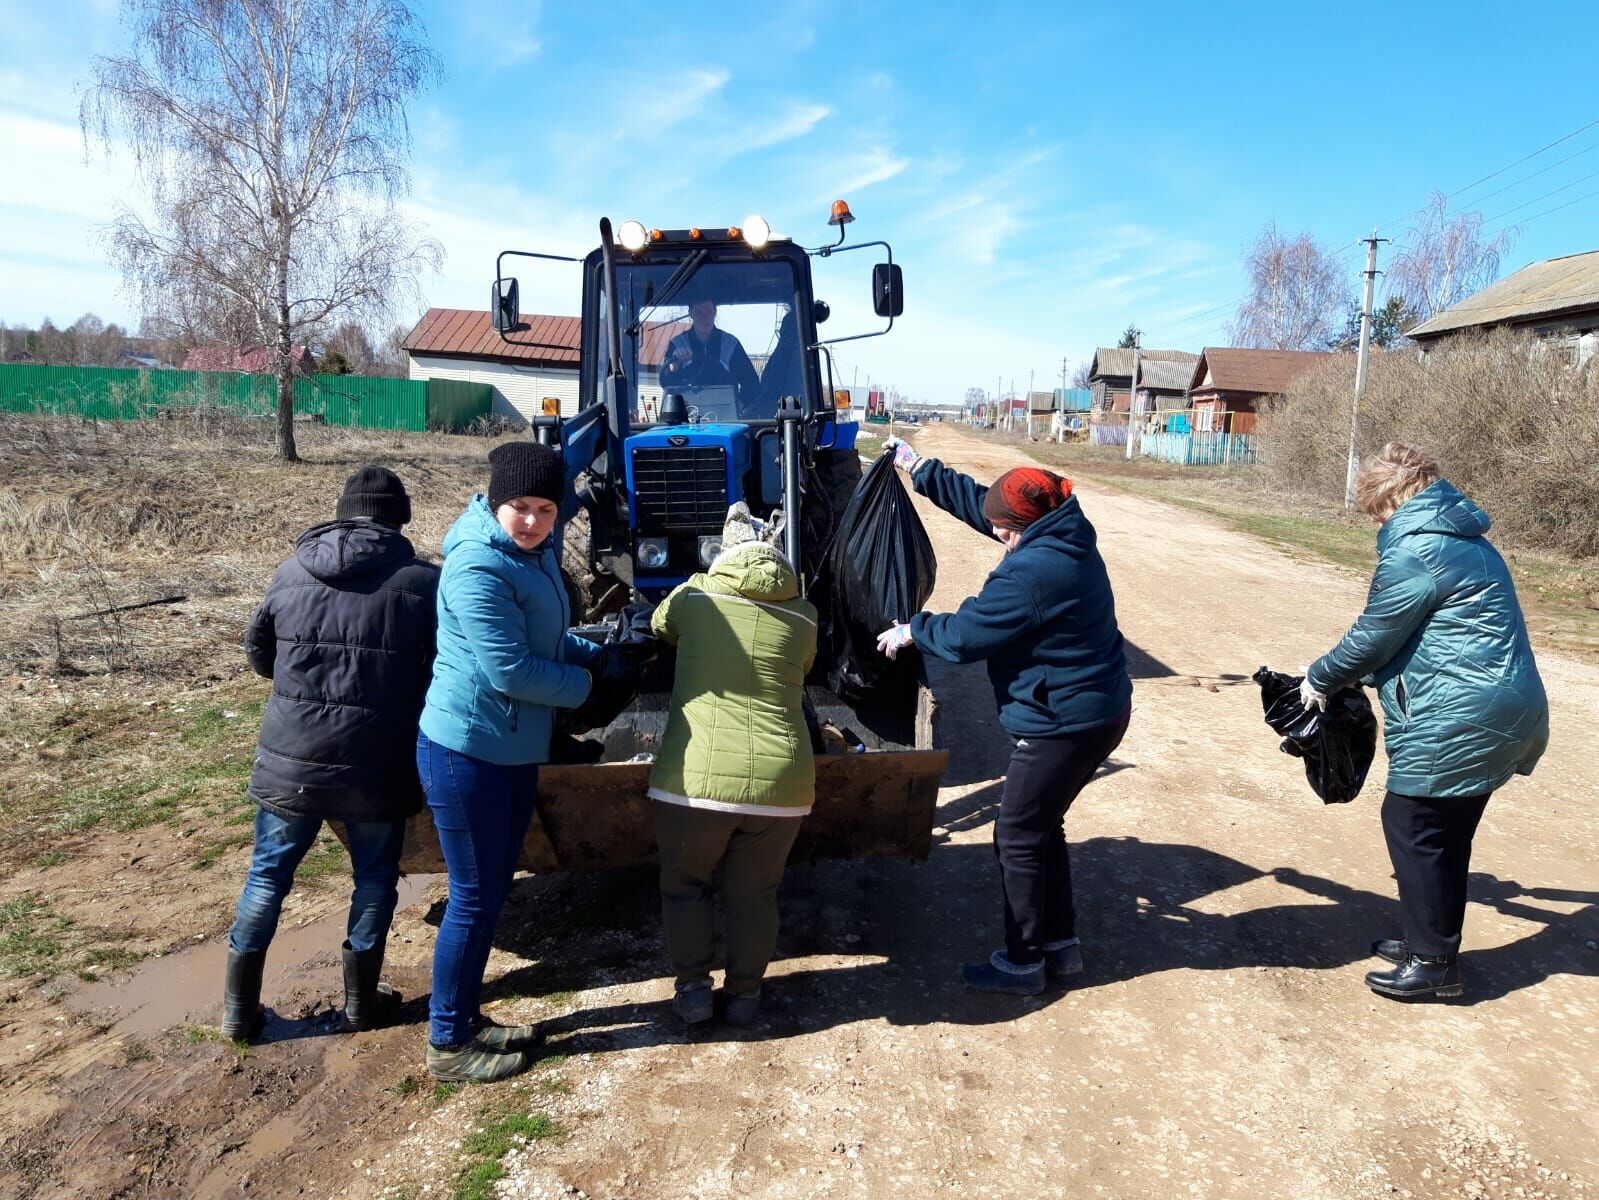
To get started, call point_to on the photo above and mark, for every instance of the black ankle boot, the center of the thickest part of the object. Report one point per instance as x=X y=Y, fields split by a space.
x=1393 y=950
x=1417 y=977
x=367 y=1002
x=242 y=1019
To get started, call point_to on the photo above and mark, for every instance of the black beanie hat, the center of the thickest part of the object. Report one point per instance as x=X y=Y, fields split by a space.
x=525 y=469
x=375 y=492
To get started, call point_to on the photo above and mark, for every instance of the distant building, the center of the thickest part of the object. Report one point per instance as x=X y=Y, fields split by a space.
x=251 y=360
x=1110 y=374
x=1557 y=300
x=539 y=361
x=1230 y=379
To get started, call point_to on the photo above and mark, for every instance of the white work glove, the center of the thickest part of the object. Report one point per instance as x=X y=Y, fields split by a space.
x=1310 y=697
x=905 y=458
x=892 y=641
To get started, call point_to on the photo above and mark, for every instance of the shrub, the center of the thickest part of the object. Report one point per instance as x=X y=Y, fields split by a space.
x=1515 y=426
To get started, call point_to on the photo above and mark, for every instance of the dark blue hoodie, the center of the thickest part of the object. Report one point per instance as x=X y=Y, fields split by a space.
x=1045 y=620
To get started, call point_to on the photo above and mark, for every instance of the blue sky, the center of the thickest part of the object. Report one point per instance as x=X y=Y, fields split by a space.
x=1046 y=173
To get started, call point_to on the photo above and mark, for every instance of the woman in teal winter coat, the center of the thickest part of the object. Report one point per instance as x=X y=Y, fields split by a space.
x=1443 y=639
x=506 y=658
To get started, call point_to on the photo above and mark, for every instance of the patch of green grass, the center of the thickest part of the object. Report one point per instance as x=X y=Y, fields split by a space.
x=50 y=858
x=106 y=958
x=208 y=856
x=327 y=857
x=197 y=1034
x=406 y=1087
x=443 y=1091
x=557 y=1086
x=30 y=936
x=223 y=724
x=139 y=803
x=488 y=1146
x=136 y=1052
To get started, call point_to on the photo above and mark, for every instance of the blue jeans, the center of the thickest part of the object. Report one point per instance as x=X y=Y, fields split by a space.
x=481 y=811
x=280 y=844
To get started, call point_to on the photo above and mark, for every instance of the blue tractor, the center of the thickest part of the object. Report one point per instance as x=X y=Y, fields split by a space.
x=705 y=381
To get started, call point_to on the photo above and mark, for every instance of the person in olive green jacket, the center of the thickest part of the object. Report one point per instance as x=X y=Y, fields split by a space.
x=1464 y=710
x=734 y=774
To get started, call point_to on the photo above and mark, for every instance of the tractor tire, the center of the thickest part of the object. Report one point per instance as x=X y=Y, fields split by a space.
x=593 y=593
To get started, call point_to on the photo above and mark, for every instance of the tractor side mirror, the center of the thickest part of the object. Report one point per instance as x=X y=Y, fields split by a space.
x=888 y=290
x=505 y=305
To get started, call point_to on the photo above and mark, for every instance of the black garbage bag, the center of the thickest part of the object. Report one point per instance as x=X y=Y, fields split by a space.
x=1337 y=745
x=628 y=649
x=882 y=570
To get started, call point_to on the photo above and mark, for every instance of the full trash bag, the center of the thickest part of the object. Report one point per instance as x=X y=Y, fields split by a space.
x=629 y=647
x=882 y=569
x=1337 y=745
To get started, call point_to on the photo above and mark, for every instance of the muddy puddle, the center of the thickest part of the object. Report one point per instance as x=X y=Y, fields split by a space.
x=185 y=988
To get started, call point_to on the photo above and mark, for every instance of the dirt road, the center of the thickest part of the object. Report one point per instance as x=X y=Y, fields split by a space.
x=1219 y=1044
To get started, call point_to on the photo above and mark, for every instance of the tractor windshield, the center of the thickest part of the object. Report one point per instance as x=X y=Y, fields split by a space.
x=726 y=338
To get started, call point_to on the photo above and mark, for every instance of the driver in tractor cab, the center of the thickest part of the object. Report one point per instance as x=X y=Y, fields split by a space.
x=704 y=356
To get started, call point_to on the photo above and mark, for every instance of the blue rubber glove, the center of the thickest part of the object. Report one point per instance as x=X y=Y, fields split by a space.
x=905 y=458
x=892 y=641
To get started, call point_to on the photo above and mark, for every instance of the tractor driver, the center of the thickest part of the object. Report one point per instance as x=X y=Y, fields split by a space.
x=704 y=356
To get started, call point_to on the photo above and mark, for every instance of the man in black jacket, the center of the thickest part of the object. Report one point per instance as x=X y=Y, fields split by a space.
x=346 y=634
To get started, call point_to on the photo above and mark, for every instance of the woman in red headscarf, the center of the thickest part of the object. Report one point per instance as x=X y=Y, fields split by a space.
x=1045 y=622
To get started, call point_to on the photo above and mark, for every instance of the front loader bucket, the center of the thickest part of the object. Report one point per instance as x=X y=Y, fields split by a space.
x=870 y=805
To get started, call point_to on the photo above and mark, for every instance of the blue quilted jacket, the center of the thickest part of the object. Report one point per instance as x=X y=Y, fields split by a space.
x=505 y=656
x=1443 y=639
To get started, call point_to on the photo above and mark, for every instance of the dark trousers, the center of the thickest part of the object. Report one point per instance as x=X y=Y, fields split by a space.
x=751 y=852
x=481 y=811
x=1043 y=778
x=1429 y=843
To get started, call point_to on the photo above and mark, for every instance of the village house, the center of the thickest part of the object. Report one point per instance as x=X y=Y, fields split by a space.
x=1556 y=300
x=1110 y=374
x=1233 y=380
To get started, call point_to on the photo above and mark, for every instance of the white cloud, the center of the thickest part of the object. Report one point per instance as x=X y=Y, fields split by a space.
x=857 y=172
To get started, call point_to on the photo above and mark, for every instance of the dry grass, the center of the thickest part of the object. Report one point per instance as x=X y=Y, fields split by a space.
x=1514 y=426
x=97 y=515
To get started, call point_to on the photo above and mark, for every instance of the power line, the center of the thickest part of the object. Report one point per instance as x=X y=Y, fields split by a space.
x=1522 y=159
x=1545 y=196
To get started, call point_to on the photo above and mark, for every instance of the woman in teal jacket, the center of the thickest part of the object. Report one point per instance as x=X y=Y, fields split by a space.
x=1443 y=639
x=505 y=658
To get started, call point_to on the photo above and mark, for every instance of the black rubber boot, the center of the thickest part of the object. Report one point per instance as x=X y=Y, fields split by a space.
x=242 y=1019
x=1418 y=977
x=368 y=1003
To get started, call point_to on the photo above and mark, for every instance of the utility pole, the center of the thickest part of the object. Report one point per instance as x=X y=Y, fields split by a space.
x=1362 y=360
x=1132 y=400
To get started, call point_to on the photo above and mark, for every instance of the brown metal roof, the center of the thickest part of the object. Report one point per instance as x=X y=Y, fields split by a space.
x=1544 y=289
x=1115 y=361
x=1265 y=372
x=1161 y=375
x=545 y=340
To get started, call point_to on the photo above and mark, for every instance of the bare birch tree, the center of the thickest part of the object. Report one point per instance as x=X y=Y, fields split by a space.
x=1297 y=293
x=1444 y=259
x=272 y=139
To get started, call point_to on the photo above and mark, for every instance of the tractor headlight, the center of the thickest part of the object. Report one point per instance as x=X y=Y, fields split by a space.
x=757 y=232
x=710 y=547
x=651 y=553
x=633 y=236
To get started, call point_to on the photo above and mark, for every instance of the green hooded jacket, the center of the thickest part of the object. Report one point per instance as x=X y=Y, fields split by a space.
x=1443 y=639
x=736 y=739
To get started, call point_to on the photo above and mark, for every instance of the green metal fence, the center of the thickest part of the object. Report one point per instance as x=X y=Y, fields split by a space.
x=453 y=404
x=111 y=393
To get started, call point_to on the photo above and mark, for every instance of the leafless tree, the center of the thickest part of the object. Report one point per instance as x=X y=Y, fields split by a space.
x=1297 y=294
x=1443 y=259
x=271 y=136
x=1080 y=374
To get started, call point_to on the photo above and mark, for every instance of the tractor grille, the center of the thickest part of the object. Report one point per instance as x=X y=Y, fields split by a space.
x=680 y=489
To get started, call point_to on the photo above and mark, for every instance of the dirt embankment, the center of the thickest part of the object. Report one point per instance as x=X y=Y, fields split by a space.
x=1219 y=1044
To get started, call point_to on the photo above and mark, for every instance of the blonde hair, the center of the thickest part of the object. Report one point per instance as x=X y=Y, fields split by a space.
x=1396 y=474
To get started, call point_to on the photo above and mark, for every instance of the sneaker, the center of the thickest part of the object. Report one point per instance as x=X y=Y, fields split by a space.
x=1063 y=959
x=1393 y=950
x=742 y=1011
x=999 y=974
x=470 y=1062
x=491 y=1035
x=694 y=1004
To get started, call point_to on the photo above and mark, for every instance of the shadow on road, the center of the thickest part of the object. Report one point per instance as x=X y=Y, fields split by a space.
x=899 y=932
